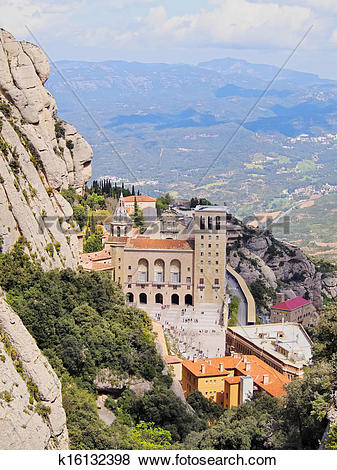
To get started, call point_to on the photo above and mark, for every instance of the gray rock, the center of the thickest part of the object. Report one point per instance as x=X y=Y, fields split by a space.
x=35 y=188
x=21 y=426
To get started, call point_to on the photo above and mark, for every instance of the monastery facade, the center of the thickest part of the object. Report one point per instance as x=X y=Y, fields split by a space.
x=172 y=267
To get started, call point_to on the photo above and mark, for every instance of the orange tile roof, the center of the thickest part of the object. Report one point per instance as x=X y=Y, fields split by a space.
x=210 y=369
x=159 y=244
x=140 y=199
x=233 y=380
x=172 y=360
x=95 y=256
x=101 y=266
x=258 y=369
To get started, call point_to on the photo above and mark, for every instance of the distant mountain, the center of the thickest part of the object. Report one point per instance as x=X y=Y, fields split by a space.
x=168 y=123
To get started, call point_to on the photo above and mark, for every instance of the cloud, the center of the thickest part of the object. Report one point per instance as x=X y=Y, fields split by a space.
x=239 y=23
x=37 y=15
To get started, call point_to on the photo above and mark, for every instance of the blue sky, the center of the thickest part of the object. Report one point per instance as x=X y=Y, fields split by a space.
x=262 y=31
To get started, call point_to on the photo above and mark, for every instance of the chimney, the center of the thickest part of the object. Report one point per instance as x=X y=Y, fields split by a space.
x=235 y=355
x=209 y=362
x=247 y=366
x=280 y=297
x=195 y=359
x=221 y=367
x=265 y=379
x=244 y=358
x=202 y=368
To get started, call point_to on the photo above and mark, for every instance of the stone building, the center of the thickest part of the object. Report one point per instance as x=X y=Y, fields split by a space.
x=296 y=310
x=166 y=271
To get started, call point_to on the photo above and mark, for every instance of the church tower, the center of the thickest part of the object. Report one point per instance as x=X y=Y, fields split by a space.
x=121 y=225
x=210 y=255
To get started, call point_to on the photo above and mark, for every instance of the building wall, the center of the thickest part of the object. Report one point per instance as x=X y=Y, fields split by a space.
x=302 y=315
x=151 y=287
x=210 y=387
x=231 y=395
x=130 y=206
x=240 y=345
x=210 y=257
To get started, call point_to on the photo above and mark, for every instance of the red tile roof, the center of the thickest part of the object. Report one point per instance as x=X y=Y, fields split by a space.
x=140 y=199
x=291 y=304
x=156 y=244
x=257 y=370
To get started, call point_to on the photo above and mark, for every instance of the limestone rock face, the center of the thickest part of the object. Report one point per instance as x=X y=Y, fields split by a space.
x=329 y=285
x=39 y=156
x=108 y=382
x=27 y=422
x=280 y=266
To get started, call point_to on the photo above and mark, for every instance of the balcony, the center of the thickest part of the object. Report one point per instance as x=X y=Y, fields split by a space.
x=201 y=286
x=216 y=286
x=143 y=283
x=158 y=283
x=175 y=283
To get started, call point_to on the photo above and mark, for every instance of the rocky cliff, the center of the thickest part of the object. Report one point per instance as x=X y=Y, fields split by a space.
x=39 y=156
x=277 y=267
x=31 y=412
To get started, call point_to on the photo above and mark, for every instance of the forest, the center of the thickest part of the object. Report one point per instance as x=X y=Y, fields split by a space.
x=81 y=323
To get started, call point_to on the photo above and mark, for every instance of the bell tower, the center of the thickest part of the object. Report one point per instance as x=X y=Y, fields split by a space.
x=210 y=254
x=121 y=224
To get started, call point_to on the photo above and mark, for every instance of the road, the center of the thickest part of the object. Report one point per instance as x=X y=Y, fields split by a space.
x=235 y=289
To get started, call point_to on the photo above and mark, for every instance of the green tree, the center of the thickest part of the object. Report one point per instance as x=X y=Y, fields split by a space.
x=164 y=202
x=80 y=215
x=138 y=218
x=325 y=334
x=93 y=243
x=205 y=408
x=306 y=404
x=148 y=437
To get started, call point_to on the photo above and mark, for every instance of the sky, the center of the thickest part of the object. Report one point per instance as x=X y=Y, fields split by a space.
x=180 y=31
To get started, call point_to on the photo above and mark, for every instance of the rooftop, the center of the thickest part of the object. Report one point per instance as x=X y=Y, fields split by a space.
x=159 y=244
x=96 y=256
x=257 y=369
x=291 y=304
x=273 y=338
x=139 y=199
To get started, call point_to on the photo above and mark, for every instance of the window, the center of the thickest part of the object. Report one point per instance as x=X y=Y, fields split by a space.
x=217 y=262
x=216 y=271
x=188 y=269
x=201 y=280
x=216 y=254
x=188 y=280
x=210 y=245
x=209 y=253
x=217 y=237
x=217 y=245
x=209 y=263
x=202 y=237
x=201 y=270
x=201 y=245
x=217 y=223
x=215 y=383
x=209 y=237
x=210 y=223
x=226 y=395
x=202 y=261
x=201 y=253
x=129 y=267
x=202 y=223
x=216 y=281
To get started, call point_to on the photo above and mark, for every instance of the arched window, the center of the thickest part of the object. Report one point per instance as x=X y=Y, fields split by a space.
x=175 y=269
x=217 y=222
x=142 y=298
x=188 y=299
x=130 y=297
x=202 y=223
x=159 y=298
x=210 y=223
x=143 y=270
x=159 y=270
x=125 y=230
x=175 y=299
x=118 y=231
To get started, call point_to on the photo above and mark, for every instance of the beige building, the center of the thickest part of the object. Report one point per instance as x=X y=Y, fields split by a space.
x=284 y=346
x=166 y=271
x=297 y=310
x=143 y=202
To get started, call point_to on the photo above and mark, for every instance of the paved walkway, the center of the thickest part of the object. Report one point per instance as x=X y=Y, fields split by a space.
x=241 y=285
x=191 y=332
x=235 y=289
x=105 y=415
